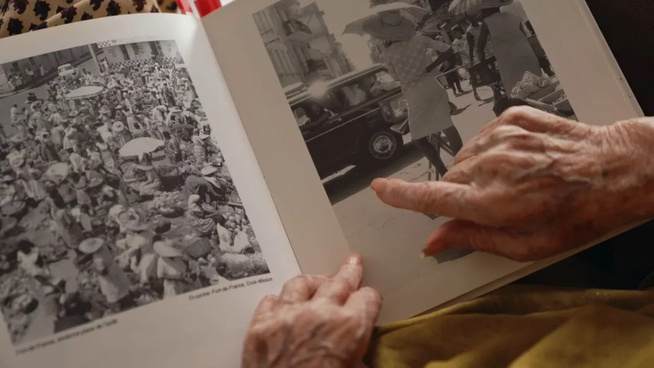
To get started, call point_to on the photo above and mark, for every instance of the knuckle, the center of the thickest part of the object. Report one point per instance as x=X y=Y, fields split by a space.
x=351 y=319
x=373 y=295
x=424 y=202
x=269 y=299
x=521 y=139
x=340 y=287
x=514 y=113
x=297 y=281
x=257 y=331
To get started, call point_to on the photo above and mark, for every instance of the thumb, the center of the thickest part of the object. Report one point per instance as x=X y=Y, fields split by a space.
x=460 y=234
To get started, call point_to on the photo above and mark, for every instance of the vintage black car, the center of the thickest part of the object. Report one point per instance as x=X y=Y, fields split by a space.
x=347 y=121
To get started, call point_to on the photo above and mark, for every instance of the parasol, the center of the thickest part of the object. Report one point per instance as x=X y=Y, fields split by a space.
x=58 y=171
x=414 y=14
x=470 y=6
x=139 y=146
x=84 y=92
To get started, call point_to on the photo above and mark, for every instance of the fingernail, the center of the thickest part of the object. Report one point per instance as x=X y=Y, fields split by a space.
x=354 y=259
x=379 y=184
x=424 y=254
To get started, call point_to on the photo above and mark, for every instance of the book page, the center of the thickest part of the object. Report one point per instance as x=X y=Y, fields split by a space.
x=137 y=230
x=330 y=117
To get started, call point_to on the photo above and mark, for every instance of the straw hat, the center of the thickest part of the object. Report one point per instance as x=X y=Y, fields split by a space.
x=17 y=161
x=131 y=221
x=7 y=178
x=107 y=190
x=116 y=211
x=389 y=26
x=145 y=167
x=95 y=182
x=208 y=170
x=91 y=245
x=166 y=249
x=118 y=126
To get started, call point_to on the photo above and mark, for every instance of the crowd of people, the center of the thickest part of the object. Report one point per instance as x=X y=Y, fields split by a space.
x=516 y=51
x=16 y=79
x=114 y=178
x=493 y=45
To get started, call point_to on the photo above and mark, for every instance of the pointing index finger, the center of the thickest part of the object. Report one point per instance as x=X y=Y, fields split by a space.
x=433 y=197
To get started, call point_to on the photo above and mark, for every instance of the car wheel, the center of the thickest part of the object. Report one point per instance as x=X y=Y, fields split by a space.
x=381 y=146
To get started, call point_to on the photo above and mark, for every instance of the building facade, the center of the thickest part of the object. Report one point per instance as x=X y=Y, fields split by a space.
x=112 y=57
x=50 y=62
x=299 y=43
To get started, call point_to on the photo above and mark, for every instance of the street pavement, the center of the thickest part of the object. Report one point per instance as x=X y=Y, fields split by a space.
x=389 y=239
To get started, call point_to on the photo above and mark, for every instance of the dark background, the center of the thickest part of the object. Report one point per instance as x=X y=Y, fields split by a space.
x=628 y=26
x=436 y=4
x=625 y=261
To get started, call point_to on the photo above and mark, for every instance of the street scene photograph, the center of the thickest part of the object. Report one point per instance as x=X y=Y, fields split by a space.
x=394 y=88
x=113 y=193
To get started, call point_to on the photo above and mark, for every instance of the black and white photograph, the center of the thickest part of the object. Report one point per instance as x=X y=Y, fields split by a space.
x=114 y=193
x=394 y=89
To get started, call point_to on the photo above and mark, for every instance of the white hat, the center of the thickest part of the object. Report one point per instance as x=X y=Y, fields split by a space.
x=208 y=170
x=166 y=249
x=131 y=221
x=193 y=198
x=91 y=245
x=118 y=126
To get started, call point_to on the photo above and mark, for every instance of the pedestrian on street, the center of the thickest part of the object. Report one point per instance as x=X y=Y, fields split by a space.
x=513 y=51
x=405 y=57
x=30 y=74
x=171 y=268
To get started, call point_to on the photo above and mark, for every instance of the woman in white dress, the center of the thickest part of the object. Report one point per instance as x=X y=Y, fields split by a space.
x=512 y=48
x=405 y=58
x=171 y=268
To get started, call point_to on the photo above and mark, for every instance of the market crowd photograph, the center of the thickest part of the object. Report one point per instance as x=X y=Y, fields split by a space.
x=113 y=193
x=393 y=89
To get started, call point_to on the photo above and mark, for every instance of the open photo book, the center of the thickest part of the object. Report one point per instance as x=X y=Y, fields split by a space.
x=160 y=174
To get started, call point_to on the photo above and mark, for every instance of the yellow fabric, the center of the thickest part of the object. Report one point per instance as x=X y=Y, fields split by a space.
x=521 y=327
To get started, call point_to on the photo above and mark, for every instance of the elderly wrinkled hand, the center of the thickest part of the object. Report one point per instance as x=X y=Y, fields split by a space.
x=531 y=185
x=316 y=321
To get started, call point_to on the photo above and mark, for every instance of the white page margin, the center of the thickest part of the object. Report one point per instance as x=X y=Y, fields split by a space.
x=596 y=93
x=176 y=332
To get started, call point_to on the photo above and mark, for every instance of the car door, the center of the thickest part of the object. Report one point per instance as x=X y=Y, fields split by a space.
x=335 y=143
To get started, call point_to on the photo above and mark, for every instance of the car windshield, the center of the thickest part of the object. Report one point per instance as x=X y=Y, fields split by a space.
x=359 y=91
x=338 y=100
